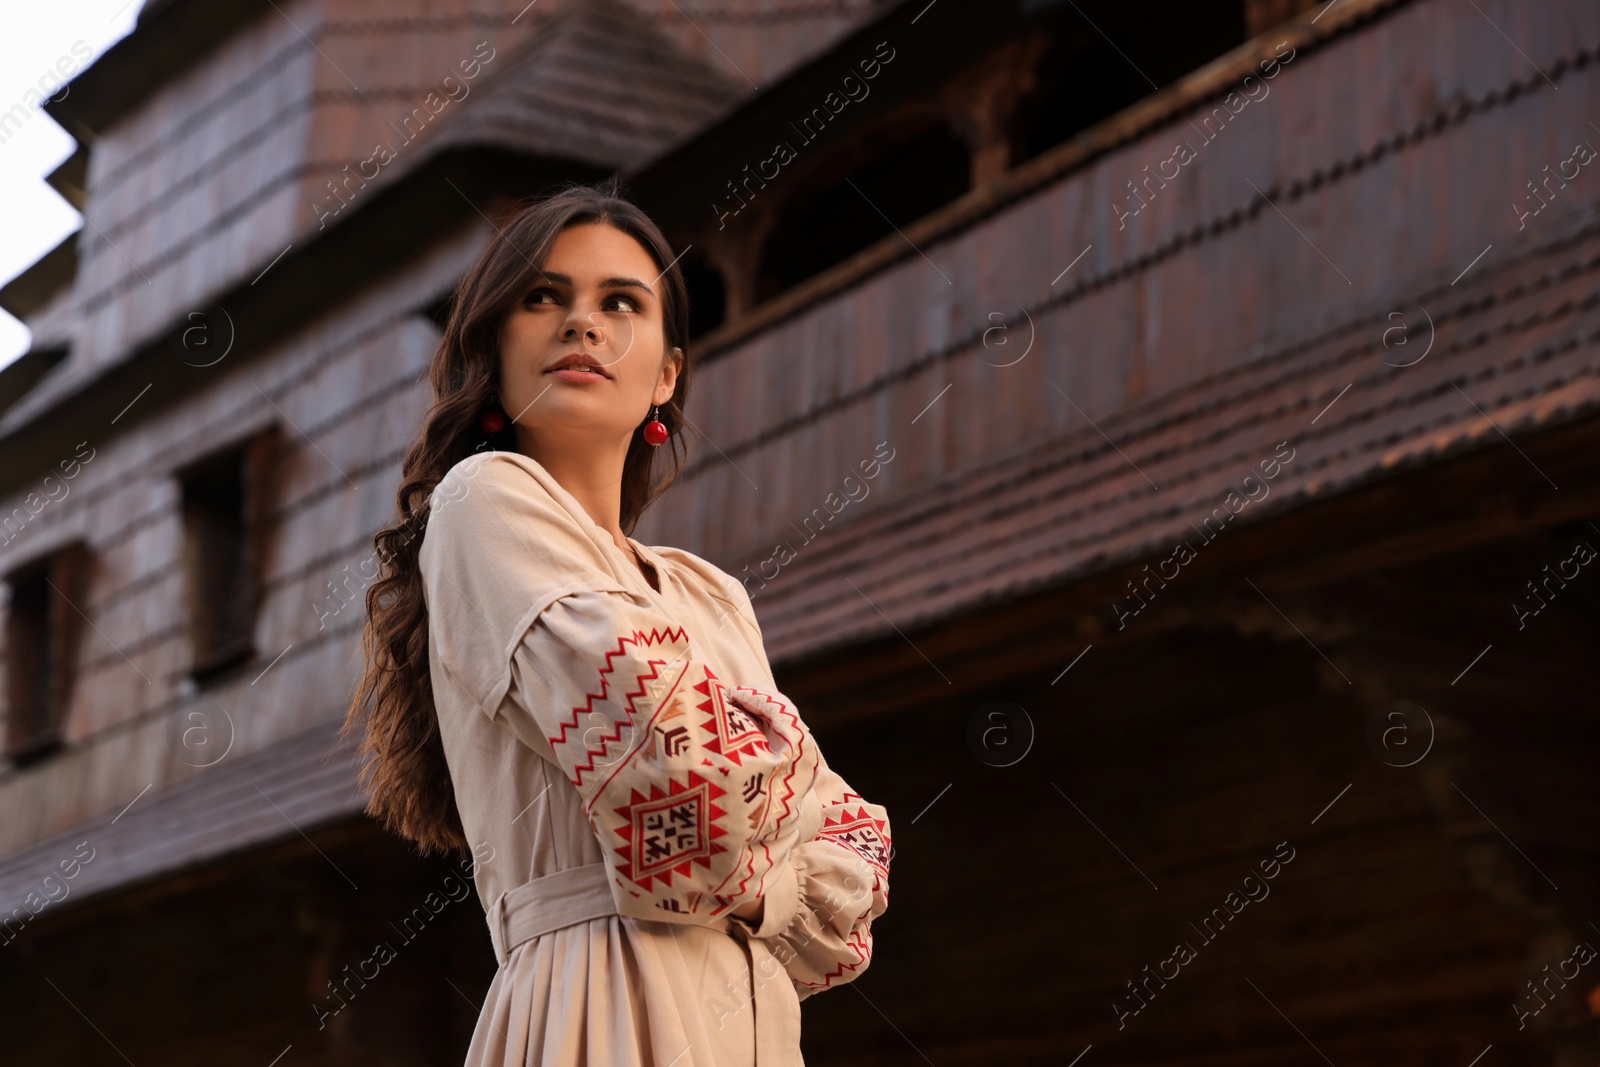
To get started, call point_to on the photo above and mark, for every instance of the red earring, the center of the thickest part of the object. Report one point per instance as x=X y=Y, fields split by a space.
x=492 y=421
x=655 y=431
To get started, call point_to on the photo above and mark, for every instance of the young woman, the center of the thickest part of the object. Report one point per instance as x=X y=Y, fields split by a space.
x=667 y=863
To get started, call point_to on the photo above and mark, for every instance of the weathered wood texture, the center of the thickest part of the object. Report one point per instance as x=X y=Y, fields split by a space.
x=1203 y=282
x=233 y=964
x=347 y=393
x=1196 y=336
x=1516 y=345
x=230 y=163
x=1160 y=772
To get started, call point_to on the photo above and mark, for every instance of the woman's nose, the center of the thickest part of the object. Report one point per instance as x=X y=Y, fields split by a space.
x=591 y=330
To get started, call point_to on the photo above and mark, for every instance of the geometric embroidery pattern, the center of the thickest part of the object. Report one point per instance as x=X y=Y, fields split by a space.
x=860 y=946
x=851 y=823
x=856 y=829
x=733 y=731
x=680 y=777
x=668 y=833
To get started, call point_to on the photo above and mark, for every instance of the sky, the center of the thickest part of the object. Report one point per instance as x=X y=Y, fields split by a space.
x=35 y=39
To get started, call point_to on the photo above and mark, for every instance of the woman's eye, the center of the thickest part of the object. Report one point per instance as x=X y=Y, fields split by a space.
x=614 y=302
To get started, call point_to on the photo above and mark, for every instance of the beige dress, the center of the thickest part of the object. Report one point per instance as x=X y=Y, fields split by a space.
x=627 y=775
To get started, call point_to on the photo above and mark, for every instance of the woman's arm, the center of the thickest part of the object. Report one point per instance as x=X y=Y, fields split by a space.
x=817 y=912
x=691 y=784
x=819 y=922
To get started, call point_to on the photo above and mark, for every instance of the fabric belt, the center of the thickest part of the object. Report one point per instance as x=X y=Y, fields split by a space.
x=564 y=898
x=579 y=894
x=777 y=1011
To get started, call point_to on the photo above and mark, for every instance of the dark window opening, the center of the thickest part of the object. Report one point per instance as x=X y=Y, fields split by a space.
x=225 y=498
x=1082 y=79
x=43 y=628
x=838 y=219
x=708 y=297
x=1079 y=85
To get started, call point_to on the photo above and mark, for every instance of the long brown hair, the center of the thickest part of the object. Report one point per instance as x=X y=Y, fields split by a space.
x=403 y=764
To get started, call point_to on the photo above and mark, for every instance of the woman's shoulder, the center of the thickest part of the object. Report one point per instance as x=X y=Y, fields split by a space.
x=493 y=490
x=498 y=472
x=502 y=514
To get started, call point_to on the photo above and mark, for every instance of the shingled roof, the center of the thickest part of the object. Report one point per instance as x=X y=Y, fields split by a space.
x=1515 y=347
x=589 y=83
x=298 y=784
x=601 y=86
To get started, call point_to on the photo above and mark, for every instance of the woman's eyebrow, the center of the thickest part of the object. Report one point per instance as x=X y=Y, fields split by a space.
x=609 y=283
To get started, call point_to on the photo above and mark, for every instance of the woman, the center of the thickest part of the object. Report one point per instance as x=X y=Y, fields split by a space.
x=667 y=863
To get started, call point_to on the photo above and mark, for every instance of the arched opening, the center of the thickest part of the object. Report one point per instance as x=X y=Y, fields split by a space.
x=708 y=296
x=1082 y=78
x=840 y=216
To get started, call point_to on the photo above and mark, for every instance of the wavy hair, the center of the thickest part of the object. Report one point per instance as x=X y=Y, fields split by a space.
x=403 y=765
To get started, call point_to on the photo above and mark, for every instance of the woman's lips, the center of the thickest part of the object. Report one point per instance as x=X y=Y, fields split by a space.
x=569 y=374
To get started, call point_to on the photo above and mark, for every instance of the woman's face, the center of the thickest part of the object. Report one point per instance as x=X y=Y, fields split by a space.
x=599 y=299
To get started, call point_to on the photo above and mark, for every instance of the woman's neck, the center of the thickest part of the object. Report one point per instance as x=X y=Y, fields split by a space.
x=594 y=480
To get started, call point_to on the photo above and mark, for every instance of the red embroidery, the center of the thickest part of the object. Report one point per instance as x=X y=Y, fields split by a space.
x=856 y=830
x=666 y=833
x=734 y=731
x=675 y=711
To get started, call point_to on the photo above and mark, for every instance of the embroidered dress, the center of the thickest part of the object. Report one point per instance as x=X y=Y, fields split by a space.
x=627 y=775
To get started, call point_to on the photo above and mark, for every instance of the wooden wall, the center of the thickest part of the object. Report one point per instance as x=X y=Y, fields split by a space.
x=1202 y=281
x=347 y=392
x=208 y=181
x=1163 y=769
x=852 y=371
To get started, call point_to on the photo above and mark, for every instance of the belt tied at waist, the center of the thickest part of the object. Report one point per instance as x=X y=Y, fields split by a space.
x=564 y=898
x=579 y=894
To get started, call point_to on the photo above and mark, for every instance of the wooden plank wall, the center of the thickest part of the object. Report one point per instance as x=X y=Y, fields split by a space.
x=1165 y=306
x=208 y=181
x=348 y=392
x=349 y=381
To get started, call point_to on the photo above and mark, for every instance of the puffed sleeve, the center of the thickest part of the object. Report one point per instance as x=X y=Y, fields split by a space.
x=691 y=782
x=819 y=922
x=818 y=913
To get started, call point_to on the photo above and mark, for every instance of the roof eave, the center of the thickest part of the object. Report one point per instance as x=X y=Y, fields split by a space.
x=171 y=36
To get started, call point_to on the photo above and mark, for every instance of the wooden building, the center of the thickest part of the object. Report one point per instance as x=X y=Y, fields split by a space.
x=1160 y=440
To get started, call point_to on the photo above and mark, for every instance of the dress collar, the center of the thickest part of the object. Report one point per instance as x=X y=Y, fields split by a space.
x=649 y=556
x=601 y=532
